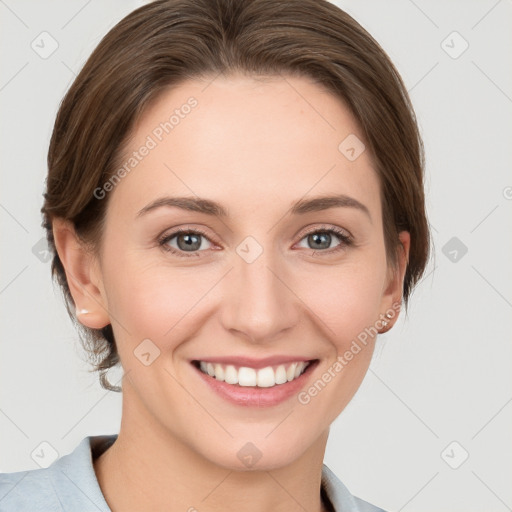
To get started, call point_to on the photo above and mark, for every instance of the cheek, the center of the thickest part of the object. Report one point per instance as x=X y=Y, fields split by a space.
x=347 y=302
x=154 y=301
x=346 y=298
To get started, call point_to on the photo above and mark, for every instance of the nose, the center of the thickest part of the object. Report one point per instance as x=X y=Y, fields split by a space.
x=258 y=301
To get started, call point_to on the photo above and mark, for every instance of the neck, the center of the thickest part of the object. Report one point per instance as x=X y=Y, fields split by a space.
x=147 y=468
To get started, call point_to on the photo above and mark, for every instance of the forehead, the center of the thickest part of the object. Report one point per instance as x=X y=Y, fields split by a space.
x=249 y=143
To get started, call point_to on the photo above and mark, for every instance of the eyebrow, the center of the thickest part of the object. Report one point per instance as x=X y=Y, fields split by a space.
x=301 y=207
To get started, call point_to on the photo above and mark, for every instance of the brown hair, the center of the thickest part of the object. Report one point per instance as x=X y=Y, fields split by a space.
x=167 y=42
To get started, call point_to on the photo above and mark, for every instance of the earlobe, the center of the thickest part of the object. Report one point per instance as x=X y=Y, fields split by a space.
x=82 y=276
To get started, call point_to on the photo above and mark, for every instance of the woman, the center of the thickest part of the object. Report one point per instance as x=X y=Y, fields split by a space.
x=235 y=204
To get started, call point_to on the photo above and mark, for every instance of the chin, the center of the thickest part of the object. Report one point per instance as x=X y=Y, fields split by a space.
x=260 y=452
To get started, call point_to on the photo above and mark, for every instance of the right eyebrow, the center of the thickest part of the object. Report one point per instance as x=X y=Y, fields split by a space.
x=186 y=203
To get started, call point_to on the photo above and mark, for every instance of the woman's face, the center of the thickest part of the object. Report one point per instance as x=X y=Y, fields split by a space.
x=265 y=279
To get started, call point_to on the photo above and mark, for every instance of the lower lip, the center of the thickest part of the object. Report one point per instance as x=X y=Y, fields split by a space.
x=252 y=396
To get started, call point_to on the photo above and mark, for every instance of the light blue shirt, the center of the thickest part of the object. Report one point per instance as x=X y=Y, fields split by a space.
x=70 y=485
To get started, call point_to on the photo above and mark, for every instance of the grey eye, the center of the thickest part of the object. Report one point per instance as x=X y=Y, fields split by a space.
x=187 y=242
x=319 y=240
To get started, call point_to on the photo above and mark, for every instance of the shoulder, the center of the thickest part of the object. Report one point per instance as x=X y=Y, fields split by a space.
x=67 y=484
x=28 y=490
x=340 y=497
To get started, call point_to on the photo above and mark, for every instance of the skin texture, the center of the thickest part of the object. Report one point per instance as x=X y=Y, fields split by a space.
x=256 y=147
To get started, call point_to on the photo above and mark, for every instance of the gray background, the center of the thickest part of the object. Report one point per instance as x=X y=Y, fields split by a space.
x=442 y=375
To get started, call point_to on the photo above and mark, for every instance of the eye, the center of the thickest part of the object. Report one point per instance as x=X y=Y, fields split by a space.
x=183 y=241
x=322 y=239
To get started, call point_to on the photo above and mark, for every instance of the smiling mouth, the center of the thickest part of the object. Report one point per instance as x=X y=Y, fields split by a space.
x=245 y=376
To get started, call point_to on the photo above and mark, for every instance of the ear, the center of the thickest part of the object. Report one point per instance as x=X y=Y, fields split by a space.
x=83 y=275
x=392 y=296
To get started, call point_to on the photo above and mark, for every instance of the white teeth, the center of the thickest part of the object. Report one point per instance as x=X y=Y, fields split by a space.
x=281 y=374
x=210 y=369
x=266 y=377
x=219 y=372
x=247 y=376
x=299 y=368
x=244 y=376
x=231 y=375
x=290 y=373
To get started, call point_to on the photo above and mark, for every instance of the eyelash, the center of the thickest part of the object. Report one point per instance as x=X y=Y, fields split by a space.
x=346 y=240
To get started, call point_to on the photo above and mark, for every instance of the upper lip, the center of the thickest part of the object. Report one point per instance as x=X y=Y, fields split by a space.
x=254 y=363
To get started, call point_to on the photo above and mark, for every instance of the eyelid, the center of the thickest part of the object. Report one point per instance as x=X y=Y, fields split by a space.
x=313 y=228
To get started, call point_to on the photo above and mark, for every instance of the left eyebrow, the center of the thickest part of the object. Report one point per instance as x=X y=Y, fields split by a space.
x=325 y=202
